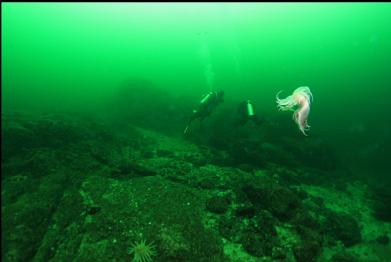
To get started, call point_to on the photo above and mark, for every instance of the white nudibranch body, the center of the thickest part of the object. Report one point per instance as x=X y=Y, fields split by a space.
x=300 y=98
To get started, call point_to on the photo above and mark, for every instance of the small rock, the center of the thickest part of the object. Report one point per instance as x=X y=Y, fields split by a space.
x=307 y=251
x=217 y=204
x=384 y=240
x=344 y=227
x=245 y=211
x=256 y=245
x=318 y=201
x=230 y=228
x=92 y=210
x=164 y=153
x=343 y=257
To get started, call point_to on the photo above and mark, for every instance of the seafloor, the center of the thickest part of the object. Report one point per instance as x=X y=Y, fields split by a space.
x=75 y=188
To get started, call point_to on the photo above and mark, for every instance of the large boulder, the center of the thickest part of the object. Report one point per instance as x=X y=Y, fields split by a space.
x=267 y=194
x=343 y=227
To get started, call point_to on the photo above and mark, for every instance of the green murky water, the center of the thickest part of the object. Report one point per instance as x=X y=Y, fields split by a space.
x=114 y=68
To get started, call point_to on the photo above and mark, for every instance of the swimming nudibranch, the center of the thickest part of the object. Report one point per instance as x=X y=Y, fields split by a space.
x=301 y=97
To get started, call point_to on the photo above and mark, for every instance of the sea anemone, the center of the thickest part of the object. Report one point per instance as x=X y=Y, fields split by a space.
x=301 y=97
x=142 y=252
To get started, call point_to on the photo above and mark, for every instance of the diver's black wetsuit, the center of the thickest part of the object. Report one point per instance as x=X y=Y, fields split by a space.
x=207 y=104
x=247 y=112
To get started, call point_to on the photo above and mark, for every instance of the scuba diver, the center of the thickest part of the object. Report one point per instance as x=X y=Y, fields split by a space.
x=246 y=113
x=207 y=104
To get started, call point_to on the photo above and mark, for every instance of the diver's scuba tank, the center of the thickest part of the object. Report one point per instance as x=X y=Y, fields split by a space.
x=246 y=112
x=250 y=109
x=246 y=109
x=207 y=97
x=202 y=103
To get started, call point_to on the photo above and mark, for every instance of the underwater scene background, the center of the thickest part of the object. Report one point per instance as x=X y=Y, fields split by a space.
x=152 y=132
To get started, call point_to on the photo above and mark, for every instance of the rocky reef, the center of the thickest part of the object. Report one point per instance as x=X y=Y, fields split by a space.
x=78 y=188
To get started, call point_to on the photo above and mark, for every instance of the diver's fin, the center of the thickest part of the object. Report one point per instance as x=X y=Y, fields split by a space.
x=186 y=130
